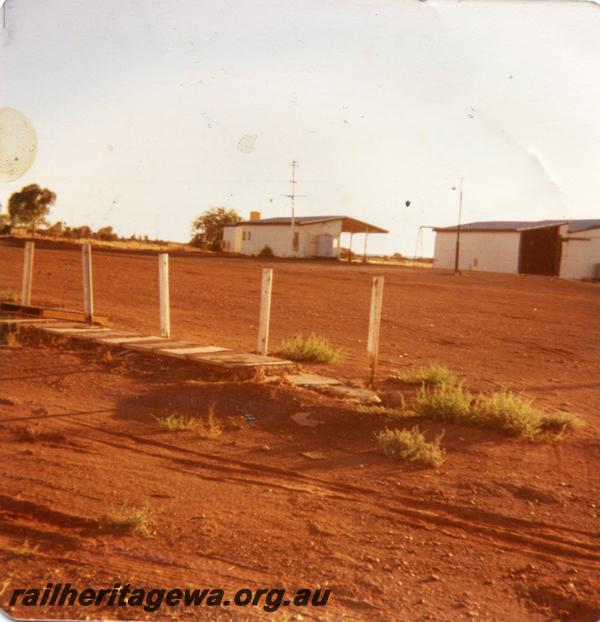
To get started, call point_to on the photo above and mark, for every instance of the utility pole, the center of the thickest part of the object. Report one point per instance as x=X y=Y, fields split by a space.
x=292 y=193
x=293 y=196
x=457 y=253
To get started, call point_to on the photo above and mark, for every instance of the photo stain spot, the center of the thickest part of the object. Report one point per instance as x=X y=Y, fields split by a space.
x=18 y=146
x=246 y=143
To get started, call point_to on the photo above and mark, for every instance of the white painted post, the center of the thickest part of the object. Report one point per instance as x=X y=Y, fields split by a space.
x=163 y=284
x=265 y=311
x=374 y=325
x=27 y=273
x=88 y=291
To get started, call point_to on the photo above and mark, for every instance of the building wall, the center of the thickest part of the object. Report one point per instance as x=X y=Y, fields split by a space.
x=312 y=232
x=488 y=251
x=251 y=239
x=232 y=239
x=580 y=256
x=499 y=252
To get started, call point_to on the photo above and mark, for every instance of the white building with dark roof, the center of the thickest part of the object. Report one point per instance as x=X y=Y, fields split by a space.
x=305 y=236
x=566 y=248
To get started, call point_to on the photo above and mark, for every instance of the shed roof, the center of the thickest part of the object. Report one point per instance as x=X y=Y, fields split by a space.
x=523 y=225
x=349 y=225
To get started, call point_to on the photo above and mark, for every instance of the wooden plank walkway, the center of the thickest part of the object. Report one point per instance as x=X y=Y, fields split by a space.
x=210 y=356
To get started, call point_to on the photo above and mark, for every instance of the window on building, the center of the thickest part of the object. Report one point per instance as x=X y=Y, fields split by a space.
x=249 y=234
x=296 y=240
x=243 y=235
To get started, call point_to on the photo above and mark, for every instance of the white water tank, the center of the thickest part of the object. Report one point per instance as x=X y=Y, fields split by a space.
x=325 y=245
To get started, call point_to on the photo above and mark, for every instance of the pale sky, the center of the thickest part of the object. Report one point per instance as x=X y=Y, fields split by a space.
x=149 y=112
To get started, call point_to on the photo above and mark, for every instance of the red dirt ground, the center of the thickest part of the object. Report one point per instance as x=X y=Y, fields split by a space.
x=506 y=529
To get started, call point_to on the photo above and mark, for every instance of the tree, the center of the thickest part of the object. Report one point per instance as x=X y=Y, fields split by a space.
x=57 y=229
x=207 y=229
x=107 y=234
x=83 y=232
x=31 y=205
x=5 y=224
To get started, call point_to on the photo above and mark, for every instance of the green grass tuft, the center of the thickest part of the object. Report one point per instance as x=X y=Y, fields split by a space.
x=410 y=445
x=312 y=348
x=431 y=375
x=444 y=403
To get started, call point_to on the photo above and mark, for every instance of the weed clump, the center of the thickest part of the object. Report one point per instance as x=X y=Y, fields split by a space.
x=430 y=375
x=451 y=403
x=25 y=550
x=507 y=412
x=206 y=427
x=502 y=410
x=560 y=423
x=442 y=398
x=177 y=423
x=411 y=445
x=312 y=348
x=137 y=519
x=209 y=427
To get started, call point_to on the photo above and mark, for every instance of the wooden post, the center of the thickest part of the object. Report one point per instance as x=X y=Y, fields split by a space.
x=27 y=273
x=88 y=291
x=374 y=325
x=350 y=249
x=265 y=311
x=163 y=284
